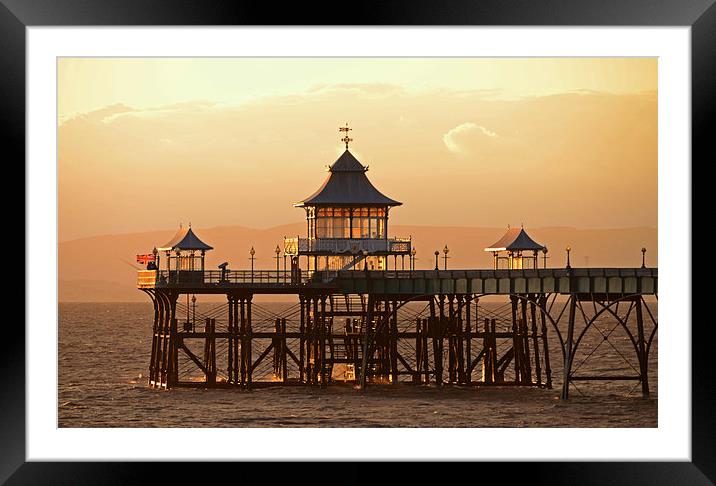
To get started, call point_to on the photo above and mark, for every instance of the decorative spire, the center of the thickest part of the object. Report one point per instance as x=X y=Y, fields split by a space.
x=346 y=138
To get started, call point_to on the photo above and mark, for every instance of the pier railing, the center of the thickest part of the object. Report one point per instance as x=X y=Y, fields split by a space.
x=561 y=280
x=163 y=278
x=354 y=246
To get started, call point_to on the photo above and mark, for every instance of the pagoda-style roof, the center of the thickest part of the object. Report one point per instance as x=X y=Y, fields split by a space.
x=347 y=185
x=516 y=239
x=185 y=239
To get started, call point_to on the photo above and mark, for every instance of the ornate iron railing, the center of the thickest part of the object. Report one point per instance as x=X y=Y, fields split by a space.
x=163 y=278
x=347 y=246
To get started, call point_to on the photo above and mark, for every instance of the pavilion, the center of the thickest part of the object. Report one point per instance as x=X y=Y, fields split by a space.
x=185 y=251
x=347 y=221
x=514 y=243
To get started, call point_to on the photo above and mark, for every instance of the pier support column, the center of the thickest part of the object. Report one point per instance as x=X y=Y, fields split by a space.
x=436 y=325
x=284 y=352
x=535 y=338
x=569 y=346
x=248 y=340
x=543 y=323
x=418 y=351
x=468 y=339
x=322 y=341
x=489 y=353
x=210 y=352
x=167 y=346
x=302 y=340
x=642 y=349
x=367 y=332
x=242 y=339
x=516 y=342
x=173 y=358
x=451 y=331
x=231 y=363
x=277 y=351
x=393 y=343
x=525 y=343
x=460 y=349
x=154 y=365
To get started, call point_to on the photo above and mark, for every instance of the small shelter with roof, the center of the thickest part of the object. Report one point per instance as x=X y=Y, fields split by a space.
x=185 y=251
x=347 y=221
x=511 y=250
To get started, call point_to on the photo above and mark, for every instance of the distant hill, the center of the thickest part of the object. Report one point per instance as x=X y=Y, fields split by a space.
x=103 y=268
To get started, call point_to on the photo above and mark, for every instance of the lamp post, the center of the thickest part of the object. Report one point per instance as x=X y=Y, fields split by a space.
x=412 y=259
x=437 y=253
x=643 y=257
x=544 y=255
x=568 y=249
x=365 y=260
x=252 y=252
x=446 y=250
x=284 y=260
x=278 y=253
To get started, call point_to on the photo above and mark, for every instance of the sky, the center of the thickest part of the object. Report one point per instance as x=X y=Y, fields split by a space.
x=144 y=144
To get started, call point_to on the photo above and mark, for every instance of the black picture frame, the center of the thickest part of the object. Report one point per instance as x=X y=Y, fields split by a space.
x=16 y=15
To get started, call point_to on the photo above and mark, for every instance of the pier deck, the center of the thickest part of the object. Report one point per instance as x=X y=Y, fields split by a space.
x=433 y=282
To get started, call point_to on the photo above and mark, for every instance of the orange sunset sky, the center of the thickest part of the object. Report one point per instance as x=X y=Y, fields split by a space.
x=147 y=143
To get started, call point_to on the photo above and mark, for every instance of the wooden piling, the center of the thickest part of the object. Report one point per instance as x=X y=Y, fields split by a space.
x=249 y=353
x=426 y=354
x=525 y=344
x=284 y=352
x=418 y=352
x=210 y=352
x=230 y=359
x=242 y=338
x=516 y=342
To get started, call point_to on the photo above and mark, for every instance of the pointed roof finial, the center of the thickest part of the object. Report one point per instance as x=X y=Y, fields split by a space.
x=522 y=225
x=346 y=138
x=189 y=224
x=179 y=224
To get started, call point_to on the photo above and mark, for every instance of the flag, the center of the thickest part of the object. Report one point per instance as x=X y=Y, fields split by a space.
x=144 y=259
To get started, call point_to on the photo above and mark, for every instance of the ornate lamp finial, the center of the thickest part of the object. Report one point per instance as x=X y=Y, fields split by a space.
x=346 y=138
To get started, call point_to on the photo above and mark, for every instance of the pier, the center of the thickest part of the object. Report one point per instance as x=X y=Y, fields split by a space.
x=356 y=321
x=394 y=326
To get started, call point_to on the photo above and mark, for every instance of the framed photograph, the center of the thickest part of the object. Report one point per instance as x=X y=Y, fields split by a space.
x=393 y=231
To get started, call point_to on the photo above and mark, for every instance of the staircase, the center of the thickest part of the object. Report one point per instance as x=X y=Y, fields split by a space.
x=356 y=259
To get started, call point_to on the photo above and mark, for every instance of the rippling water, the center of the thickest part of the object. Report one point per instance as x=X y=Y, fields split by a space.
x=104 y=356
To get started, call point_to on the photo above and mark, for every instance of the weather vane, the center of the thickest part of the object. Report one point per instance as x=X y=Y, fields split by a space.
x=345 y=139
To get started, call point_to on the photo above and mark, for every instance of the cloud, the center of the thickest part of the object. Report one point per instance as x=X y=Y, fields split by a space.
x=464 y=138
x=376 y=89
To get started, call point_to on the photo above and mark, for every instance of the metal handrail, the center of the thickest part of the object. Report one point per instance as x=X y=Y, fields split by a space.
x=296 y=245
x=504 y=273
x=150 y=278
